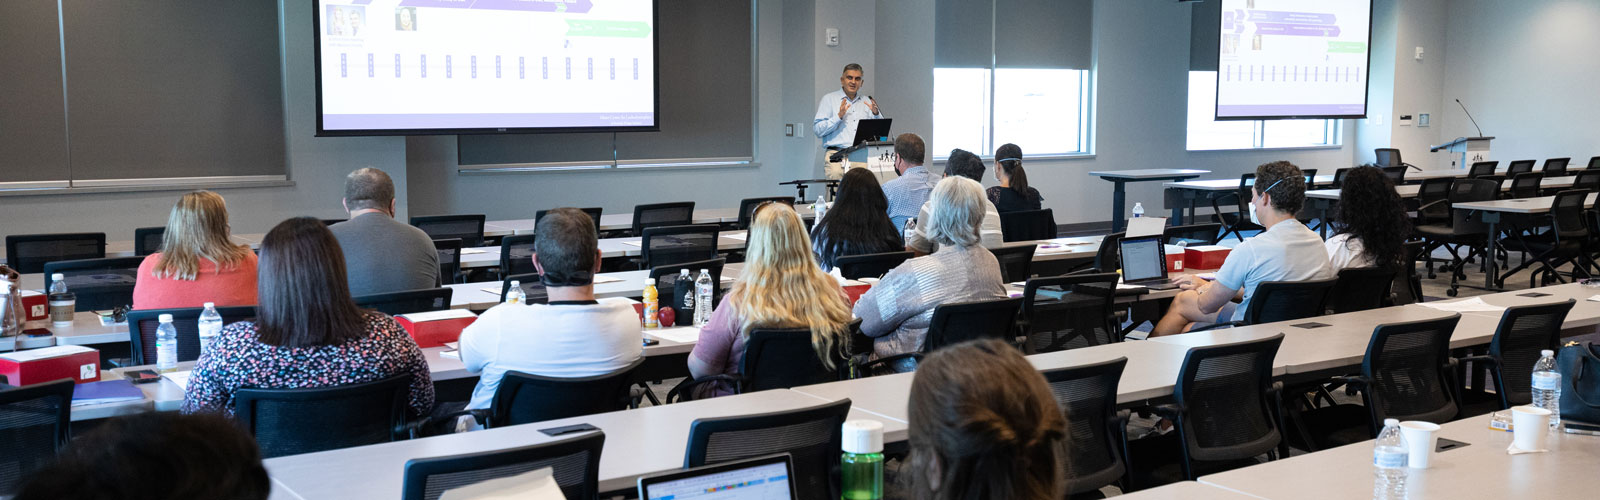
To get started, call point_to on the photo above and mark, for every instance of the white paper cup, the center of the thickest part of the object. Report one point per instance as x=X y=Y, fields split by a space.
x=1530 y=427
x=1420 y=440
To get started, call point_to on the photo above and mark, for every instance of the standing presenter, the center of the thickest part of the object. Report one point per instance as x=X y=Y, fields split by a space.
x=837 y=115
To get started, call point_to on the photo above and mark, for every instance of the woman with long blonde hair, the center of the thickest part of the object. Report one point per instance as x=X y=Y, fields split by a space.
x=781 y=286
x=198 y=261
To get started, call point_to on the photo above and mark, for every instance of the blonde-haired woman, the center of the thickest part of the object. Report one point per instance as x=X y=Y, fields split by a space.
x=896 y=312
x=781 y=287
x=198 y=262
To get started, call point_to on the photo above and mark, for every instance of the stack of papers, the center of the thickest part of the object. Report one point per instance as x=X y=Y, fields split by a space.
x=681 y=334
x=107 y=391
x=1475 y=304
x=181 y=378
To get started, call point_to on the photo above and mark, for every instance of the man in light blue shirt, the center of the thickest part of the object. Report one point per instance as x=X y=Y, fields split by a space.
x=837 y=115
x=910 y=191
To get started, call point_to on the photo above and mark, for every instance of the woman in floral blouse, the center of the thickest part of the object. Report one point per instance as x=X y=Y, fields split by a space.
x=308 y=332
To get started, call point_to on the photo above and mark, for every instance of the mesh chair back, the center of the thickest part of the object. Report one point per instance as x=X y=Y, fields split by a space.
x=1588 y=180
x=1245 y=192
x=1108 y=258
x=532 y=289
x=870 y=265
x=409 y=301
x=1016 y=261
x=469 y=228
x=1556 y=167
x=99 y=284
x=1396 y=174
x=1566 y=216
x=667 y=245
x=1526 y=185
x=449 y=259
x=1408 y=372
x=574 y=462
x=1482 y=169
x=1083 y=316
x=1311 y=177
x=516 y=255
x=666 y=277
x=1361 y=288
x=1523 y=332
x=142 y=330
x=1387 y=157
x=1433 y=190
x=1594 y=163
x=28 y=253
x=747 y=207
x=295 y=421
x=1468 y=222
x=524 y=397
x=1407 y=286
x=1094 y=443
x=1028 y=225
x=1192 y=234
x=147 y=240
x=959 y=322
x=662 y=214
x=1223 y=390
x=34 y=425
x=783 y=358
x=593 y=212
x=1519 y=167
x=1275 y=301
x=1338 y=177
x=809 y=435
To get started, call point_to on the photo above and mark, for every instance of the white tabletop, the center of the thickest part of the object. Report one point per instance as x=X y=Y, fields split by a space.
x=1341 y=344
x=1411 y=190
x=1186 y=490
x=1227 y=184
x=1149 y=173
x=609 y=248
x=1518 y=205
x=620 y=222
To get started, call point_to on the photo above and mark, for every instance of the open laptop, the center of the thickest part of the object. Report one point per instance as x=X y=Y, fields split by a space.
x=871 y=129
x=764 y=478
x=1144 y=263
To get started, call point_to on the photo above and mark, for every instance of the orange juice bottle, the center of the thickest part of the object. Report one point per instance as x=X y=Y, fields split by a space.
x=651 y=304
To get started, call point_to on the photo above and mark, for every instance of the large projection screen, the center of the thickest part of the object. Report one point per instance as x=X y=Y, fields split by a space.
x=1293 y=59
x=411 y=67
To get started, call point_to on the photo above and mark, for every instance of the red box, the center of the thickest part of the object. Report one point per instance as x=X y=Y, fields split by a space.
x=1175 y=256
x=33 y=366
x=855 y=289
x=35 y=305
x=433 y=329
x=1205 y=256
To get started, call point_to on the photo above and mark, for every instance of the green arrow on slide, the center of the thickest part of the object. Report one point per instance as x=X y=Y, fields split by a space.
x=1347 y=47
x=609 y=29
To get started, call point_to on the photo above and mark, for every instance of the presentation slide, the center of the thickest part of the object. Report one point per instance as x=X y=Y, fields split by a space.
x=452 y=66
x=1283 y=59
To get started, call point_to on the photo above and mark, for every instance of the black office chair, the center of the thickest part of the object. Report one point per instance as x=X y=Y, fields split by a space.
x=1390 y=157
x=574 y=464
x=28 y=253
x=1563 y=244
x=1028 y=225
x=1396 y=174
x=1465 y=228
x=1275 y=301
x=1080 y=314
x=1407 y=374
x=809 y=435
x=1407 y=288
x=662 y=214
x=1338 y=177
x=747 y=207
x=467 y=227
x=959 y=322
x=1108 y=258
x=147 y=240
x=1555 y=167
x=1361 y=288
x=142 y=330
x=449 y=260
x=1310 y=175
x=667 y=245
x=1239 y=220
x=525 y=398
x=1426 y=206
x=775 y=358
x=1095 y=449
x=1192 y=234
x=1227 y=411
x=516 y=254
x=295 y=421
x=409 y=301
x=1482 y=169
x=99 y=284
x=1016 y=261
x=34 y=425
x=1594 y=163
x=666 y=278
x=592 y=212
x=1525 y=185
x=1519 y=167
x=1587 y=180
x=533 y=290
x=871 y=265
x=1523 y=332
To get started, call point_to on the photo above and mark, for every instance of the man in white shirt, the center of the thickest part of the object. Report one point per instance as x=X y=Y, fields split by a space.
x=908 y=192
x=965 y=164
x=573 y=335
x=1286 y=251
x=837 y=115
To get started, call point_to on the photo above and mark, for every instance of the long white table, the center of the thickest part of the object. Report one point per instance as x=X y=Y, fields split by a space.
x=609 y=248
x=1494 y=213
x=622 y=221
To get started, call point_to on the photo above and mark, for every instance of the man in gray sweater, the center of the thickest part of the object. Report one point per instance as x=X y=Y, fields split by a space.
x=381 y=254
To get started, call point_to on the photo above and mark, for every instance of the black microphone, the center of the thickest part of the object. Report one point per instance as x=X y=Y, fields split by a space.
x=1469 y=117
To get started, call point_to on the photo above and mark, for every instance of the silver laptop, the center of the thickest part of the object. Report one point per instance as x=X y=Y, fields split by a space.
x=764 y=478
x=1144 y=263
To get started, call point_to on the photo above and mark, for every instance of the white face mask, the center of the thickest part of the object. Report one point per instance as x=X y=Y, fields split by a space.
x=1253 y=219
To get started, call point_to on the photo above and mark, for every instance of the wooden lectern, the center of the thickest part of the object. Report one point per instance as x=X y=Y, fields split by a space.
x=1465 y=150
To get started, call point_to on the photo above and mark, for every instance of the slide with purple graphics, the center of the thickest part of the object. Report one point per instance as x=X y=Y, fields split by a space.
x=461 y=66
x=1293 y=59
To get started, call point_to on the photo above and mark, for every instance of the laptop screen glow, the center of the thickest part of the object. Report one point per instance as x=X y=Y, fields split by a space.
x=1142 y=259
x=758 y=482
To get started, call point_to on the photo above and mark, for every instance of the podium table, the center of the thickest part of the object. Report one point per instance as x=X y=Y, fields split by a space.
x=1119 y=195
x=1467 y=150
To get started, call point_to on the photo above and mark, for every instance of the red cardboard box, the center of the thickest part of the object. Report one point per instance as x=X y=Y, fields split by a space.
x=33 y=366
x=433 y=329
x=35 y=305
x=1205 y=256
x=1175 y=256
x=855 y=289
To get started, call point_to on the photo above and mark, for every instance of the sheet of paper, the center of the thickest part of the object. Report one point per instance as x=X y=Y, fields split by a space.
x=737 y=236
x=600 y=278
x=681 y=334
x=438 y=315
x=1475 y=304
x=532 y=485
x=634 y=243
x=470 y=251
x=1594 y=298
x=492 y=290
x=180 y=378
x=1139 y=227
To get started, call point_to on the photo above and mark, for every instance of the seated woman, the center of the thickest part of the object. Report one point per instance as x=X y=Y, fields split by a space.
x=983 y=424
x=896 y=311
x=780 y=287
x=308 y=332
x=1013 y=193
x=1371 y=227
x=857 y=223
x=196 y=456
x=198 y=263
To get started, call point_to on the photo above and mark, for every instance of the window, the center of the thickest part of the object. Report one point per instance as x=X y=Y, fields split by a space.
x=978 y=109
x=1206 y=134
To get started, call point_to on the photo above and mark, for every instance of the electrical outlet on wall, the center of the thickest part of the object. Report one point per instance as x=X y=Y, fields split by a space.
x=831 y=37
x=1422 y=120
x=1403 y=120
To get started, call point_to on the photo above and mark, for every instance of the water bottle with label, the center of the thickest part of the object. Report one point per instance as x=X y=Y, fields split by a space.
x=1389 y=460
x=683 y=298
x=210 y=327
x=911 y=229
x=1138 y=210
x=166 y=345
x=1547 y=386
x=514 y=293
x=704 y=290
x=818 y=209
x=861 y=466
x=62 y=302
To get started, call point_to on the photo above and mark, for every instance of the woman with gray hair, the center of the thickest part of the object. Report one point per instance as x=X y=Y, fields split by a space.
x=896 y=312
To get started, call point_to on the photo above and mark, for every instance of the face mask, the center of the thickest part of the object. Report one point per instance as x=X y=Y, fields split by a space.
x=1253 y=219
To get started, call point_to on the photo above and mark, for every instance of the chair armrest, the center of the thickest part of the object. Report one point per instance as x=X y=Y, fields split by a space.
x=681 y=391
x=1170 y=412
x=1214 y=326
x=867 y=366
x=1485 y=359
x=1425 y=206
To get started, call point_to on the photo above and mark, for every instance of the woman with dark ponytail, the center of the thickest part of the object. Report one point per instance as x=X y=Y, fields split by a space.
x=1013 y=193
x=983 y=424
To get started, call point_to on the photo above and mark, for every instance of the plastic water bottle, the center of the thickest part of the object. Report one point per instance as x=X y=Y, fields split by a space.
x=1547 y=386
x=1138 y=210
x=1389 y=460
x=861 y=466
x=683 y=298
x=704 y=289
x=652 y=304
x=210 y=327
x=166 y=345
x=818 y=209
x=911 y=229
x=514 y=293
x=62 y=302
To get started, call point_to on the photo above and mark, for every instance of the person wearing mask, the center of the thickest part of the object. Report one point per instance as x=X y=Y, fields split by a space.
x=383 y=255
x=961 y=163
x=198 y=261
x=1013 y=194
x=908 y=192
x=857 y=223
x=1371 y=227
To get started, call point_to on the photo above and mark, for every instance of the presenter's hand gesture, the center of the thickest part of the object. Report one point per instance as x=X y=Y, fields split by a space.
x=872 y=104
x=844 y=106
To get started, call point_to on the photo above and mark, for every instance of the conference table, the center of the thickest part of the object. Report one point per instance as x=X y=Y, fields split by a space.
x=610 y=248
x=1512 y=213
x=1193 y=192
x=623 y=221
x=1120 y=178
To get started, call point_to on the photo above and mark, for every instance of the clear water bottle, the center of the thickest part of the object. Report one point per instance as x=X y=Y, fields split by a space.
x=210 y=327
x=704 y=289
x=1389 y=460
x=514 y=293
x=861 y=466
x=1138 y=210
x=62 y=302
x=166 y=345
x=818 y=209
x=1547 y=386
x=911 y=229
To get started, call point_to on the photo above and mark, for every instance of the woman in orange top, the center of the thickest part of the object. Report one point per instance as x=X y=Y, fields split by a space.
x=198 y=263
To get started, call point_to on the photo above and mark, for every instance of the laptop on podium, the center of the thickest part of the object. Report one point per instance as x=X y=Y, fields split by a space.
x=871 y=129
x=763 y=478
x=1144 y=263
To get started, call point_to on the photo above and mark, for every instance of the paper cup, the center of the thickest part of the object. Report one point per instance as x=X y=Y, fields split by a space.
x=1421 y=438
x=1530 y=427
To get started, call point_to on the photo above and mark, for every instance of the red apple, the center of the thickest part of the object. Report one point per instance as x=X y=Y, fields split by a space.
x=666 y=315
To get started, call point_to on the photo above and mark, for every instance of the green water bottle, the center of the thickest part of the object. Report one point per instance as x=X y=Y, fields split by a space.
x=862 y=463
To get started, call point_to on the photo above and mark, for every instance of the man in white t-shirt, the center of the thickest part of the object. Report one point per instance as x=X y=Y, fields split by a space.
x=573 y=335
x=1286 y=251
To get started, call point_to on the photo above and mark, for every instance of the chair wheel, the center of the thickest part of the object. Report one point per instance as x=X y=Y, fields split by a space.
x=1451 y=292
